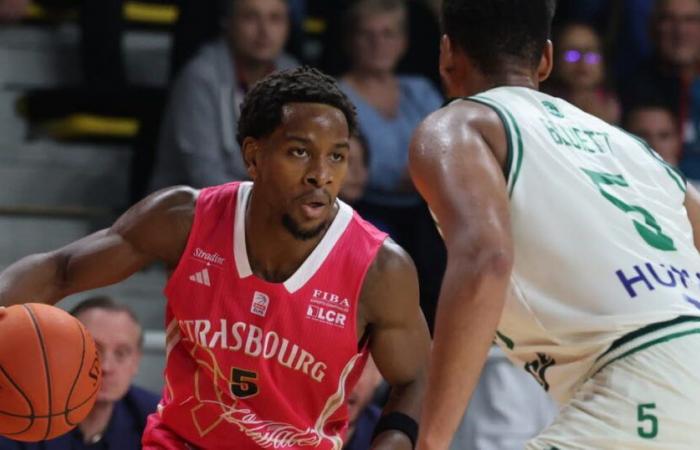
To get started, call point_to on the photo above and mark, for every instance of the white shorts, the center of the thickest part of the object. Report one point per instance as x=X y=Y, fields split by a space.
x=643 y=395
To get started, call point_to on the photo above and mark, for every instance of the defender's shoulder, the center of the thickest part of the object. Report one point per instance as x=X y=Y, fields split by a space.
x=454 y=125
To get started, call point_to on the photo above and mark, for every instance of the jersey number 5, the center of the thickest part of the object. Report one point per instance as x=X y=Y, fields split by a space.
x=243 y=383
x=649 y=229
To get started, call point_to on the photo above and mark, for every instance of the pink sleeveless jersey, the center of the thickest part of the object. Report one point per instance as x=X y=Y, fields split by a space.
x=253 y=364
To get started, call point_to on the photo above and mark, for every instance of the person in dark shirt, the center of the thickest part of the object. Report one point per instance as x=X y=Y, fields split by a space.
x=117 y=420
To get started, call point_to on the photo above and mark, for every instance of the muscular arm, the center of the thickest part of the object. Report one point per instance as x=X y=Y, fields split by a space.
x=455 y=169
x=692 y=206
x=154 y=229
x=399 y=335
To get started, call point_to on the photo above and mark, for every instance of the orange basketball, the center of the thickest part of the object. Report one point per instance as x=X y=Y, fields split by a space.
x=49 y=372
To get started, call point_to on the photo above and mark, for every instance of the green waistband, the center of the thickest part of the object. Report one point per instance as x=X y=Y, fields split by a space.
x=646 y=330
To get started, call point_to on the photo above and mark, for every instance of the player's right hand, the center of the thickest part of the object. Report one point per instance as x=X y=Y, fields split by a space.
x=3 y=311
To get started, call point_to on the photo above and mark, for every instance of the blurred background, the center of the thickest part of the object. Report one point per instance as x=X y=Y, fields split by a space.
x=103 y=101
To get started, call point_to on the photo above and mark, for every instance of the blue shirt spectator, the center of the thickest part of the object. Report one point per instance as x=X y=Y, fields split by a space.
x=388 y=138
x=122 y=433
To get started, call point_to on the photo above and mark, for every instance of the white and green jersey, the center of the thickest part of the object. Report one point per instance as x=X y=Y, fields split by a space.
x=603 y=244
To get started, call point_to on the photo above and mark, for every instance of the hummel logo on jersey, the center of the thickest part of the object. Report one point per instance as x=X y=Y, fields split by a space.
x=260 y=303
x=538 y=367
x=552 y=109
x=201 y=278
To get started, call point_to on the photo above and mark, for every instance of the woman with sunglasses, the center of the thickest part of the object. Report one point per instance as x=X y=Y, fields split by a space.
x=579 y=72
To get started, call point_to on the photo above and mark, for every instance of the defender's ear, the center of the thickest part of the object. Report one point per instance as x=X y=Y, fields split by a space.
x=446 y=64
x=546 y=62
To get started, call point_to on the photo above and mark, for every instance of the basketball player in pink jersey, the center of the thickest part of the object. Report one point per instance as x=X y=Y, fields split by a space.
x=277 y=290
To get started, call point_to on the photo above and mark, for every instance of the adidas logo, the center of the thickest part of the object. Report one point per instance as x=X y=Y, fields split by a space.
x=201 y=278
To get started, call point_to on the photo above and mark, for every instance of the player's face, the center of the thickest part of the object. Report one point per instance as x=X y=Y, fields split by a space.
x=117 y=338
x=580 y=62
x=356 y=179
x=677 y=31
x=299 y=168
x=258 y=29
x=379 y=42
x=657 y=127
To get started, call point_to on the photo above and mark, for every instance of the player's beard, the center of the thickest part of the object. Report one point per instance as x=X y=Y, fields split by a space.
x=299 y=233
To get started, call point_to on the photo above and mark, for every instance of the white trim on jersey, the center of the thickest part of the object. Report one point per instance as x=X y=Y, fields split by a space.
x=312 y=263
x=334 y=402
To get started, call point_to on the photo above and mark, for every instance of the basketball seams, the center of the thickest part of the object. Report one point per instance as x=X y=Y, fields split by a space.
x=46 y=416
x=39 y=334
x=29 y=402
x=77 y=376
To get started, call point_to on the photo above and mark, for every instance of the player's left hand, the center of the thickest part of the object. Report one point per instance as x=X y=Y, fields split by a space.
x=3 y=311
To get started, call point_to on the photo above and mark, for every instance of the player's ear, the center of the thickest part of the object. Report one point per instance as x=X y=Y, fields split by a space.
x=251 y=149
x=546 y=61
x=446 y=57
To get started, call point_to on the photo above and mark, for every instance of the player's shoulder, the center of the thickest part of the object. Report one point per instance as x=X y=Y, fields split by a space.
x=392 y=264
x=457 y=115
x=391 y=281
x=451 y=127
x=172 y=200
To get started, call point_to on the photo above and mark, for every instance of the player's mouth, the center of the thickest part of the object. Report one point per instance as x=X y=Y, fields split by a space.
x=314 y=210
x=314 y=204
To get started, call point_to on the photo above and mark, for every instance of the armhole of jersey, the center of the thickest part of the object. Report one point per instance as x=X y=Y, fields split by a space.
x=672 y=172
x=514 y=157
x=176 y=273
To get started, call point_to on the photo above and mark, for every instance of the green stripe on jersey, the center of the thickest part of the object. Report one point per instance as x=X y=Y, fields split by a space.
x=514 y=158
x=673 y=172
x=660 y=340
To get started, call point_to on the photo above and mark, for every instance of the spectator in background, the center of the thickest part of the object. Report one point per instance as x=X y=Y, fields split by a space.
x=657 y=125
x=362 y=414
x=119 y=416
x=579 y=72
x=389 y=107
x=356 y=176
x=197 y=144
x=672 y=71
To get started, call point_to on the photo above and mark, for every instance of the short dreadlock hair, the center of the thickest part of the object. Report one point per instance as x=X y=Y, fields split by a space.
x=261 y=112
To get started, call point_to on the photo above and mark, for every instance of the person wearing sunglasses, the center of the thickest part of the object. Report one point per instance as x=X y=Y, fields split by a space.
x=579 y=72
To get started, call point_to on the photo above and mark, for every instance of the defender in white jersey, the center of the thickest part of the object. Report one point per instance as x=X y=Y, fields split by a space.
x=569 y=240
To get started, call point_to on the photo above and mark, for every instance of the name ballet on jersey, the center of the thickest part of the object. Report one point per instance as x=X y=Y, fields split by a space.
x=253 y=364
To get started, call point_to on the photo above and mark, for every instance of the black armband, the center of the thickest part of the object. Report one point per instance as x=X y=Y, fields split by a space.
x=400 y=422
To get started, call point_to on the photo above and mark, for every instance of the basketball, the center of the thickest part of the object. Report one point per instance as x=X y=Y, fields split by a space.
x=49 y=372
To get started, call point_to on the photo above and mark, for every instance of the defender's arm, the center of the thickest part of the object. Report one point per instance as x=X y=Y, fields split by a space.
x=455 y=170
x=154 y=229
x=399 y=336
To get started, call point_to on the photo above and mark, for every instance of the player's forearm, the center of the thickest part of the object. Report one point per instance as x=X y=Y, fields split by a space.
x=36 y=278
x=469 y=309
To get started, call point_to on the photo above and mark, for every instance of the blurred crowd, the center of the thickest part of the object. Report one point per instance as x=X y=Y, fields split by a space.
x=632 y=63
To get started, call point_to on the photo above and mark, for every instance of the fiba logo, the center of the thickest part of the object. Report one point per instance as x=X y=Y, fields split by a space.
x=260 y=303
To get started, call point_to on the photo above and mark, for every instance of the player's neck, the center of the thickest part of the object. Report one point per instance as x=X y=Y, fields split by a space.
x=95 y=424
x=512 y=79
x=274 y=253
x=510 y=75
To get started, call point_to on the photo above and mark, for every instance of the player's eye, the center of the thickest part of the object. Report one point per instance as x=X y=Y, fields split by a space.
x=337 y=157
x=298 y=152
